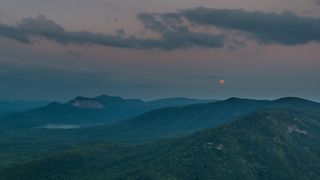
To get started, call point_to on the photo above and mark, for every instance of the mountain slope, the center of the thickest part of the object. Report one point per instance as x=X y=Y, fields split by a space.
x=176 y=121
x=11 y=107
x=81 y=110
x=268 y=144
x=2 y=133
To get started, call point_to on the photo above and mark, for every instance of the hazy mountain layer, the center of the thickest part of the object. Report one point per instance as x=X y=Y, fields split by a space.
x=11 y=107
x=88 y=111
x=177 y=121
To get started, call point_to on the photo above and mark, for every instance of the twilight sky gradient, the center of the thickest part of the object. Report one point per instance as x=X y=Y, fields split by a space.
x=55 y=50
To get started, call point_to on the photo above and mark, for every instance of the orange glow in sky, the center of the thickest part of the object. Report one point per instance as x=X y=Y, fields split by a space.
x=221 y=82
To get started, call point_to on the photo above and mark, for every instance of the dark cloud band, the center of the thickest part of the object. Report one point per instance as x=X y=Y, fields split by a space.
x=286 y=28
x=170 y=39
x=175 y=30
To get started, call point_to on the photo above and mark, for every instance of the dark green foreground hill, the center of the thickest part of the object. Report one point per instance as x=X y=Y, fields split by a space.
x=267 y=144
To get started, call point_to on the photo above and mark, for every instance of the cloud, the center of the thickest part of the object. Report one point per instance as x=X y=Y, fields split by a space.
x=285 y=28
x=176 y=34
x=183 y=29
x=169 y=40
x=14 y=33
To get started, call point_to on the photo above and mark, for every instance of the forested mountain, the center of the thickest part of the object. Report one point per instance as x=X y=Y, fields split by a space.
x=265 y=144
x=177 y=121
x=87 y=111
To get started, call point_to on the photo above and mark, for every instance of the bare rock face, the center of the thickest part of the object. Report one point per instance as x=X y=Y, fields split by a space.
x=87 y=104
x=295 y=129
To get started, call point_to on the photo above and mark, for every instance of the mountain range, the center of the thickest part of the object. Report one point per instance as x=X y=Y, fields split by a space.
x=265 y=144
x=87 y=111
x=175 y=139
x=179 y=121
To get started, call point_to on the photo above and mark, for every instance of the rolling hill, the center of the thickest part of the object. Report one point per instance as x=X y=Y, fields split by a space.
x=87 y=111
x=265 y=144
x=177 y=121
x=11 y=107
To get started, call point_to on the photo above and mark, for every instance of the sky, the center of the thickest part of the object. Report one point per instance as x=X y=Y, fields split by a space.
x=149 y=49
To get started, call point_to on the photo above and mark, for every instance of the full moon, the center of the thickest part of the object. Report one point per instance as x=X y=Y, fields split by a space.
x=221 y=82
